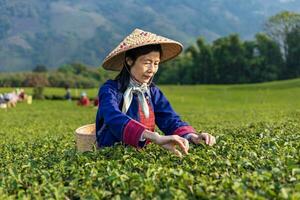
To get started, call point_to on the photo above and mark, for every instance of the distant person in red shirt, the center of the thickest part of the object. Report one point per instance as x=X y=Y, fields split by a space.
x=84 y=100
x=96 y=101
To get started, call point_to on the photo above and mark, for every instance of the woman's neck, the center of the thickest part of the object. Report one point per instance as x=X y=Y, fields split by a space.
x=135 y=81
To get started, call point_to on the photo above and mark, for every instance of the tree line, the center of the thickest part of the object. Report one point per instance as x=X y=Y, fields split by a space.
x=74 y=75
x=272 y=55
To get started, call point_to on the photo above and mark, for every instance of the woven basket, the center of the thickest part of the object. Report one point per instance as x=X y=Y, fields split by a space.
x=86 y=137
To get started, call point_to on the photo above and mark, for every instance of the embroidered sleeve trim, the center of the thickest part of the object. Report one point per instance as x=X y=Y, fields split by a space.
x=184 y=130
x=132 y=133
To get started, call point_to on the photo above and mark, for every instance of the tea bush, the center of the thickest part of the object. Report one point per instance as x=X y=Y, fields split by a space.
x=257 y=155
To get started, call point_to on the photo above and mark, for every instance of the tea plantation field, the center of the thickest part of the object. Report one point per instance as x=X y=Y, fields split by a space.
x=257 y=155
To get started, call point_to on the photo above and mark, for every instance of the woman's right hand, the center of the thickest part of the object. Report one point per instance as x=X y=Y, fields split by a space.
x=169 y=142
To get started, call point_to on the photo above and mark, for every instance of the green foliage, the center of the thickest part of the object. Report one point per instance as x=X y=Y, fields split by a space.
x=293 y=54
x=38 y=92
x=173 y=72
x=284 y=28
x=226 y=60
x=266 y=63
x=256 y=155
x=230 y=60
x=280 y=25
x=201 y=70
x=74 y=68
x=71 y=80
x=73 y=75
x=36 y=80
x=12 y=79
x=270 y=56
x=66 y=69
x=40 y=68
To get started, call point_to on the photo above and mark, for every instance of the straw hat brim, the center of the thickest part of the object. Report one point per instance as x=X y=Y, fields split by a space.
x=170 y=49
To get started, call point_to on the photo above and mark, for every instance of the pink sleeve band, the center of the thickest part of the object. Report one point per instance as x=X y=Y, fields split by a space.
x=184 y=130
x=132 y=133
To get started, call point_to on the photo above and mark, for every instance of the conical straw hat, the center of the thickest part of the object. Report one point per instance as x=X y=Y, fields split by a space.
x=115 y=59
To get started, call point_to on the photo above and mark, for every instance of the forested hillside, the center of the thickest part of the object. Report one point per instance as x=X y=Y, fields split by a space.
x=56 y=32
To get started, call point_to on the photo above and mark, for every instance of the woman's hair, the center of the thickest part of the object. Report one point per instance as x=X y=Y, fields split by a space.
x=124 y=76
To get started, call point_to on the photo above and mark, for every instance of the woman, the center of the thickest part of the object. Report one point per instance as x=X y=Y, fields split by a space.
x=131 y=105
x=84 y=100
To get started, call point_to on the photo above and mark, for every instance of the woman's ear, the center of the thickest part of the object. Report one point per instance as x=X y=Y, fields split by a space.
x=129 y=61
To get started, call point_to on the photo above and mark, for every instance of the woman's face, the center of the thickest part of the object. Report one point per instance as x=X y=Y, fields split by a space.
x=145 y=66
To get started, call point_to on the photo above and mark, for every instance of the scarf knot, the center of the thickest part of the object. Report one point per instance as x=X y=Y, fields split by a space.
x=136 y=88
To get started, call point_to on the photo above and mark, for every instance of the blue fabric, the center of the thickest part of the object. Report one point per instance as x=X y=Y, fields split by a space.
x=110 y=121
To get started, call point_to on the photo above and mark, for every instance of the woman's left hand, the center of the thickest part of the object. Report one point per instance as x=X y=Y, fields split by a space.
x=205 y=137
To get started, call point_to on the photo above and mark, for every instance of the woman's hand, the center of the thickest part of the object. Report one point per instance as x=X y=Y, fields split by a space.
x=172 y=147
x=169 y=142
x=203 y=137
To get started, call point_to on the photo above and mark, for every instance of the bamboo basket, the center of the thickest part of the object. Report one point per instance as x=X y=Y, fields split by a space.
x=85 y=137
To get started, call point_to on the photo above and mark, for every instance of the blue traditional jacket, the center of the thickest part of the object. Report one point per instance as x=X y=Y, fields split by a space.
x=113 y=126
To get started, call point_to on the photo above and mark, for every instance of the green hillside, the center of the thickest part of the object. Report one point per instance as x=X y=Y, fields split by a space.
x=58 y=32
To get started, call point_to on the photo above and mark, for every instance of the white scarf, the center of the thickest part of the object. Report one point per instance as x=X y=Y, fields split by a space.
x=139 y=89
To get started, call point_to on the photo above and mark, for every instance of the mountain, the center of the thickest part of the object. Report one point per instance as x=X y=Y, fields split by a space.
x=55 y=32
